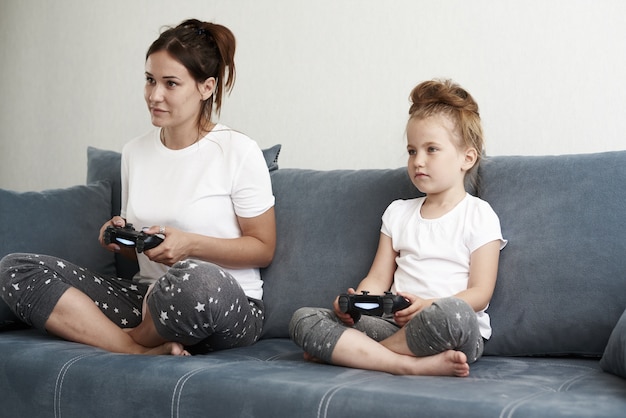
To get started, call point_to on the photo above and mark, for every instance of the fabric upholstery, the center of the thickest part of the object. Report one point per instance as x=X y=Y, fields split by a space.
x=562 y=278
x=614 y=357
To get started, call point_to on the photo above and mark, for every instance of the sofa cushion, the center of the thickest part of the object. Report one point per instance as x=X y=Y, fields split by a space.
x=60 y=222
x=614 y=357
x=562 y=278
x=328 y=225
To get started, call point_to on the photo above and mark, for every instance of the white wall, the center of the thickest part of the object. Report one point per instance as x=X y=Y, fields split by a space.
x=329 y=79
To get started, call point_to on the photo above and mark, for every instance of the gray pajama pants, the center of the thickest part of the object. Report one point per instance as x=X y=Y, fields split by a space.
x=448 y=324
x=195 y=303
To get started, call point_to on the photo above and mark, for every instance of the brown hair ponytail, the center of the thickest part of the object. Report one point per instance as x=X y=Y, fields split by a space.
x=206 y=50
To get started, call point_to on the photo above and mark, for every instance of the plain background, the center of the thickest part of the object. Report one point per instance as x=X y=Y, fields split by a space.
x=328 y=79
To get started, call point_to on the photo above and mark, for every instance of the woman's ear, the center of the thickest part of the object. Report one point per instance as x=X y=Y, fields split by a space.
x=207 y=88
x=471 y=156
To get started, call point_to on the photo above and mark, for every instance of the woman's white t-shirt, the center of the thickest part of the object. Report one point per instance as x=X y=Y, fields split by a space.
x=200 y=189
x=434 y=254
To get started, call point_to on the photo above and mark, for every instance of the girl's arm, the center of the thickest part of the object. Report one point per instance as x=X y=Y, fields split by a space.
x=255 y=248
x=482 y=276
x=380 y=277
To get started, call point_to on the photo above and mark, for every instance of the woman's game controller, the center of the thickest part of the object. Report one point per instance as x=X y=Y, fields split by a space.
x=373 y=305
x=129 y=237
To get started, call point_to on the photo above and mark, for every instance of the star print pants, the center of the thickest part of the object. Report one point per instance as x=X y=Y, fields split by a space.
x=448 y=324
x=194 y=303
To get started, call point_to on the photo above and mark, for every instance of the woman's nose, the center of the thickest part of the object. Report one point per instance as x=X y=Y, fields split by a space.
x=156 y=93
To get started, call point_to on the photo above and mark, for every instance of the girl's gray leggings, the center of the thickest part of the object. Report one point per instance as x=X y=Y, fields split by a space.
x=448 y=324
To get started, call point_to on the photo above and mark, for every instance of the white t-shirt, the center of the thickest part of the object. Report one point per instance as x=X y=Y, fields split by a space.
x=434 y=254
x=200 y=189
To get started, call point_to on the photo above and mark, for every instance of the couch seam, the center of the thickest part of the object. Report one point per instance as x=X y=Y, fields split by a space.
x=58 y=386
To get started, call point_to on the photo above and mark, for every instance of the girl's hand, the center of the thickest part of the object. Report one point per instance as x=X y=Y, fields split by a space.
x=173 y=249
x=417 y=304
x=343 y=316
x=116 y=221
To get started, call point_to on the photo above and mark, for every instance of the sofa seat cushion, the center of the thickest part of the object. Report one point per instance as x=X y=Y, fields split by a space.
x=562 y=279
x=46 y=377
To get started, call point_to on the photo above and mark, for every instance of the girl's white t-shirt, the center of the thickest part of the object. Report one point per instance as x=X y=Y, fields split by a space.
x=434 y=254
x=200 y=189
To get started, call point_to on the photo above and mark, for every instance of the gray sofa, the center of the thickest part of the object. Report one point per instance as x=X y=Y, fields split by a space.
x=559 y=342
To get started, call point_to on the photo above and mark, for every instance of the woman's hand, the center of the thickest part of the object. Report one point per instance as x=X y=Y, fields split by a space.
x=403 y=316
x=116 y=221
x=343 y=316
x=174 y=248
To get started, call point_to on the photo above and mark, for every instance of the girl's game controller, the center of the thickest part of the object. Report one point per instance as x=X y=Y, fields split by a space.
x=129 y=237
x=373 y=305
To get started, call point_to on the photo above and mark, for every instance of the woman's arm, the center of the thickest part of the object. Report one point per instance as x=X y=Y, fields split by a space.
x=255 y=248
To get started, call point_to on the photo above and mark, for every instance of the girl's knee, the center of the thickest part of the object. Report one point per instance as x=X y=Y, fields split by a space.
x=448 y=324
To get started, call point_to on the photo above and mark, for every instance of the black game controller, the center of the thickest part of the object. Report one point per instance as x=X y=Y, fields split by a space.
x=373 y=305
x=129 y=237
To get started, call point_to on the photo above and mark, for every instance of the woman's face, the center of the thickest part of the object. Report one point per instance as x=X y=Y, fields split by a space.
x=173 y=97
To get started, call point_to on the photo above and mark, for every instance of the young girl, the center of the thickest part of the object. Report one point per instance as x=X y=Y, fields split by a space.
x=440 y=252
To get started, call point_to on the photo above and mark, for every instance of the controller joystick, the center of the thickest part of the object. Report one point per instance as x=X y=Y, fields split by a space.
x=373 y=305
x=129 y=237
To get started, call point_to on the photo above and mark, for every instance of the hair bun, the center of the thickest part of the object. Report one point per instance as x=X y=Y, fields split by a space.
x=441 y=93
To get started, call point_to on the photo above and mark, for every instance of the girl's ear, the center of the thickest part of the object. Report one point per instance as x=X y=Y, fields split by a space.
x=471 y=156
x=207 y=88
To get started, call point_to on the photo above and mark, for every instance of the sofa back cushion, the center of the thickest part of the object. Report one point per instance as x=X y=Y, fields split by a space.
x=328 y=225
x=562 y=278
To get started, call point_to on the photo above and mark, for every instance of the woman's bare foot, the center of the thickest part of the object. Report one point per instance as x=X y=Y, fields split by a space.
x=312 y=359
x=169 y=348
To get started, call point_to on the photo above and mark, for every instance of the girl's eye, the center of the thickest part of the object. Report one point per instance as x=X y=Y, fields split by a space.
x=412 y=152
x=433 y=149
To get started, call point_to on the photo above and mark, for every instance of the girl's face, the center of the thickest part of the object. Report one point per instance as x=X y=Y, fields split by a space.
x=173 y=97
x=437 y=165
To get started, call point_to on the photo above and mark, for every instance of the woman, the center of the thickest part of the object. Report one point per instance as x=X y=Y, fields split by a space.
x=205 y=188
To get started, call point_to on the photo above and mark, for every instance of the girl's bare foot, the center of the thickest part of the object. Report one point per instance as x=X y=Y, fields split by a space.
x=448 y=363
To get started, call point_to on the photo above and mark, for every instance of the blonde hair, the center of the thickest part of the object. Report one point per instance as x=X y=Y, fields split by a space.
x=445 y=97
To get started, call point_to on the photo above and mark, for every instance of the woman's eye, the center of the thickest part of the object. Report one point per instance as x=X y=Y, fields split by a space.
x=149 y=80
x=172 y=84
x=433 y=149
